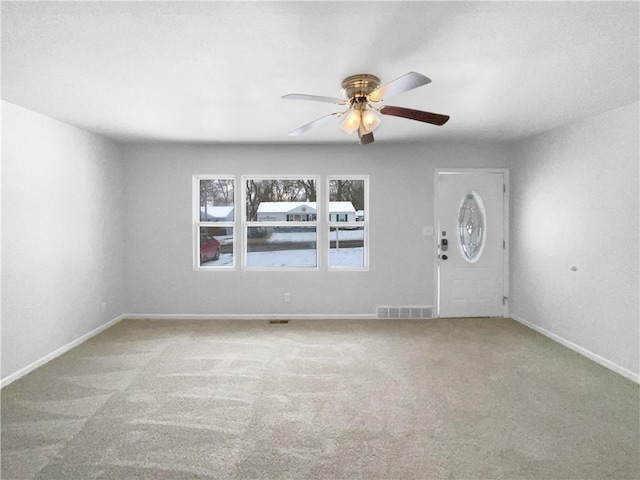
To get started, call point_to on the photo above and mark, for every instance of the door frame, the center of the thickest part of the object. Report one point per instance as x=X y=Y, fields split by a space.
x=505 y=226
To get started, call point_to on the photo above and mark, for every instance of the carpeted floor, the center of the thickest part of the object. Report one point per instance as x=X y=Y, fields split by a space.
x=397 y=399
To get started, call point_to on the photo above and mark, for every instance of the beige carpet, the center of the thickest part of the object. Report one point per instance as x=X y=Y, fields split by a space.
x=468 y=399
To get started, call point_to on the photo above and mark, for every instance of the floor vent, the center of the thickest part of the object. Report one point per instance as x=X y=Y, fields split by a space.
x=405 y=312
x=277 y=322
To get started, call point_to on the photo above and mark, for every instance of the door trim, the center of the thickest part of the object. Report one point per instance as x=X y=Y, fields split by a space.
x=505 y=226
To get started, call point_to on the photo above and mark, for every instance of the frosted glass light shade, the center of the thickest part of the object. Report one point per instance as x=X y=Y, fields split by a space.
x=351 y=122
x=370 y=120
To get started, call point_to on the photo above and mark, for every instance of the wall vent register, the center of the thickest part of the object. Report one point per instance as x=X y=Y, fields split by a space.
x=405 y=312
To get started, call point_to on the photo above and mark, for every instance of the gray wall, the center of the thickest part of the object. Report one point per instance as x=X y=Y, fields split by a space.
x=574 y=202
x=160 y=277
x=85 y=221
x=62 y=235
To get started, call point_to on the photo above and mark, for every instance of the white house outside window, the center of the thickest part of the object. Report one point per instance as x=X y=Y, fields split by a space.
x=280 y=222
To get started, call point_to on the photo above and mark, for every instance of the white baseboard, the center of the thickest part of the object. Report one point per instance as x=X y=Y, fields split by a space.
x=256 y=316
x=47 y=358
x=625 y=372
x=360 y=316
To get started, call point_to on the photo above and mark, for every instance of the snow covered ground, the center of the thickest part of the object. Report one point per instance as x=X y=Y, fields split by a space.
x=343 y=257
x=225 y=260
x=346 y=257
x=282 y=258
x=225 y=239
x=282 y=237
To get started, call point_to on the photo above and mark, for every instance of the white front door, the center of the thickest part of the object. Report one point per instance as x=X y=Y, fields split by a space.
x=470 y=215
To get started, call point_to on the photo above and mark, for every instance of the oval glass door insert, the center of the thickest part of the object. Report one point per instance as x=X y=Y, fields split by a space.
x=471 y=226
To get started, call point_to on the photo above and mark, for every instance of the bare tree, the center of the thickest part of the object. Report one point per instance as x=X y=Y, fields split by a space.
x=277 y=191
x=347 y=191
x=222 y=192
x=215 y=192
x=252 y=200
x=309 y=187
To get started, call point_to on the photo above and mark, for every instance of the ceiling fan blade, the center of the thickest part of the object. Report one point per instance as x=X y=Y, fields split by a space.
x=315 y=123
x=406 y=82
x=419 y=115
x=315 y=98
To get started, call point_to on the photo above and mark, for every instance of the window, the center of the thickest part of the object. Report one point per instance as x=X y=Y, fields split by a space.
x=471 y=226
x=348 y=222
x=280 y=222
x=278 y=219
x=214 y=214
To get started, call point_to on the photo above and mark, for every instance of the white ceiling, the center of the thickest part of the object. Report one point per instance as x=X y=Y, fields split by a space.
x=215 y=71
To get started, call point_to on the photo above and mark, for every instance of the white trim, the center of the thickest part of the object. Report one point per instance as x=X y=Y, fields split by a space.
x=251 y=316
x=56 y=353
x=578 y=349
x=362 y=224
x=436 y=244
x=245 y=224
x=506 y=288
x=197 y=223
x=350 y=316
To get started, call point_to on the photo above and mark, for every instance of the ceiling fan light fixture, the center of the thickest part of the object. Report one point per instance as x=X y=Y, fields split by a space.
x=370 y=120
x=361 y=94
x=351 y=122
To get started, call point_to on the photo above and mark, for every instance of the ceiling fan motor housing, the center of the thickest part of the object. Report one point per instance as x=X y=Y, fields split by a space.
x=359 y=86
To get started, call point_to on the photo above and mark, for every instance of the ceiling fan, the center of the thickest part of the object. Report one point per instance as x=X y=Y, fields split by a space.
x=362 y=95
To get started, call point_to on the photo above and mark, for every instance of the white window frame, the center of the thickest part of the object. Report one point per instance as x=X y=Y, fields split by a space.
x=245 y=224
x=342 y=224
x=197 y=223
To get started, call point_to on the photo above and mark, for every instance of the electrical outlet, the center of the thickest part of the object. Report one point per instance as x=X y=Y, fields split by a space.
x=103 y=307
x=287 y=297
